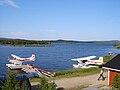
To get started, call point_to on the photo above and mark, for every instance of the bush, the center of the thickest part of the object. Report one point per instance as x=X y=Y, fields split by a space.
x=44 y=85
x=116 y=82
x=11 y=82
x=23 y=86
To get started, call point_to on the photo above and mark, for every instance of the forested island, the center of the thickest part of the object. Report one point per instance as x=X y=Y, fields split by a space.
x=26 y=43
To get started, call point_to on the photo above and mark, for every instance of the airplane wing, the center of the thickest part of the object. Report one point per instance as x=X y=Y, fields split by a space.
x=14 y=56
x=84 y=58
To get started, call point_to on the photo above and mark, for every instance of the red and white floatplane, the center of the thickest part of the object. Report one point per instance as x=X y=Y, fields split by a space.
x=17 y=63
x=87 y=62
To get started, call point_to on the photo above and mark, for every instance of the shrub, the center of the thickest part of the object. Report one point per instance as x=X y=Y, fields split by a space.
x=116 y=82
x=24 y=86
x=11 y=82
x=44 y=85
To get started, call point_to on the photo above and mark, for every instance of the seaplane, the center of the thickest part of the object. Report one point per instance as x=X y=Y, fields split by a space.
x=28 y=68
x=17 y=61
x=87 y=62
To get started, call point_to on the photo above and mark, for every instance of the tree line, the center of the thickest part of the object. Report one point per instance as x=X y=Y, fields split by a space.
x=15 y=42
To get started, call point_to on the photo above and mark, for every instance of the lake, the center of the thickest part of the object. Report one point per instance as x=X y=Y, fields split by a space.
x=55 y=58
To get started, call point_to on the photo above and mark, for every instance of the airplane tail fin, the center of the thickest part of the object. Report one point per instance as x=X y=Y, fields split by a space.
x=32 y=58
x=101 y=59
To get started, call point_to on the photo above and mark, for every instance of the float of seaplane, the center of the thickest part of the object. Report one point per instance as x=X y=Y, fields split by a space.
x=87 y=62
x=35 y=70
x=28 y=68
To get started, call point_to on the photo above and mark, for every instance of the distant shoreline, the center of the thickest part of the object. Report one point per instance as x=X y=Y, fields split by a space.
x=47 y=43
x=24 y=43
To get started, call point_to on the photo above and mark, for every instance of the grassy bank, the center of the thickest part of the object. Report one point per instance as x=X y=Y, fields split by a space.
x=107 y=58
x=77 y=72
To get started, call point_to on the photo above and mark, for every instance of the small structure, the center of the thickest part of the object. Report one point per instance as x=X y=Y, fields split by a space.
x=113 y=67
x=110 y=53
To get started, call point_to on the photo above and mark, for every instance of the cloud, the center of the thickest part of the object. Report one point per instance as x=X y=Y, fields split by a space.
x=15 y=34
x=9 y=2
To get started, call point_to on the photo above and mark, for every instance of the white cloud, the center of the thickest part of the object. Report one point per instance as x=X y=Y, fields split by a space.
x=16 y=34
x=9 y=2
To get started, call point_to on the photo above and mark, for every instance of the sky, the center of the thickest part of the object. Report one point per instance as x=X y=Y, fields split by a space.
x=82 y=20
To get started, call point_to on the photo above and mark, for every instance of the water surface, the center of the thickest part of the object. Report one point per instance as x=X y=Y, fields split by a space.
x=55 y=58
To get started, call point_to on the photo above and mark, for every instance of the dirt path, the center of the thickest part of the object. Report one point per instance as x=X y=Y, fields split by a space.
x=80 y=81
x=90 y=80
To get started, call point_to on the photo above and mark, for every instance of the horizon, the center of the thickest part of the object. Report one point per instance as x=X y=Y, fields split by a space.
x=78 y=20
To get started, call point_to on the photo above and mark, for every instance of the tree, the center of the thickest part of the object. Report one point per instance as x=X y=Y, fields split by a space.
x=11 y=82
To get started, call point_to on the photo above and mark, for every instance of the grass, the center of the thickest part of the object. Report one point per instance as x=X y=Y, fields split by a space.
x=35 y=79
x=107 y=58
x=77 y=72
x=117 y=46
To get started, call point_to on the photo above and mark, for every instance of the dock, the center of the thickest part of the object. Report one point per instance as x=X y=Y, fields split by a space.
x=33 y=70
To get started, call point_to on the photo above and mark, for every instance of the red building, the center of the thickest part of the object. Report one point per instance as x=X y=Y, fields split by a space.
x=113 y=67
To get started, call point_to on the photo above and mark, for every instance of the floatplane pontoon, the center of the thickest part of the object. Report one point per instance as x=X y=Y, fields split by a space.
x=40 y=72
x=30 y=69
x=87 y=62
